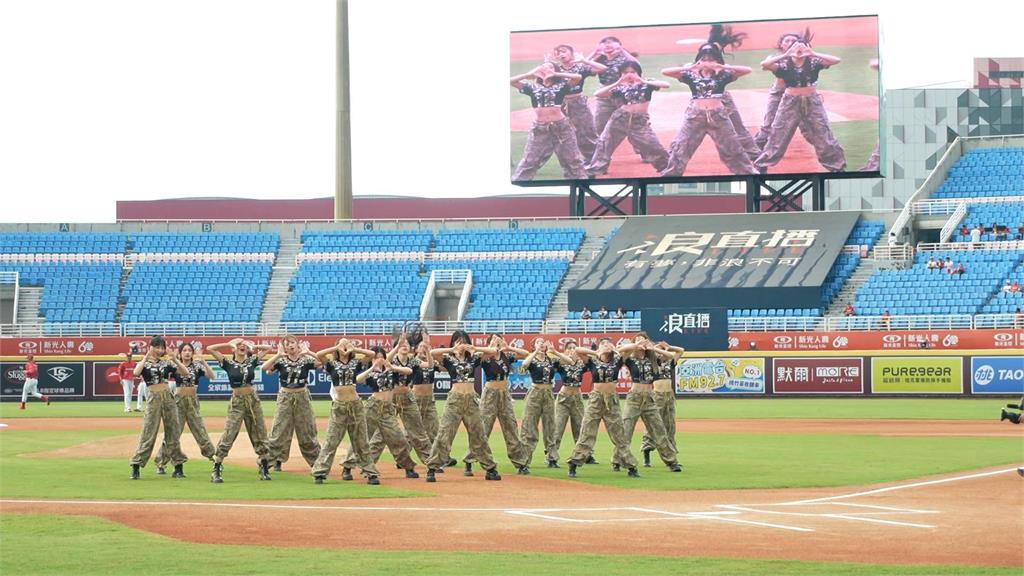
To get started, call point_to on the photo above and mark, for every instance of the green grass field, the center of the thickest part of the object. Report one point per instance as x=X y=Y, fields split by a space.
x=716 y=408
x=95 y=546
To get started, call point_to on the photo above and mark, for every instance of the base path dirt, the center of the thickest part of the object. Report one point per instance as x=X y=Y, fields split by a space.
x=967 y=518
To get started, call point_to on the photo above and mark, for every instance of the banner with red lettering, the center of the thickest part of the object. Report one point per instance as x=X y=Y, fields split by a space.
x=880 y=340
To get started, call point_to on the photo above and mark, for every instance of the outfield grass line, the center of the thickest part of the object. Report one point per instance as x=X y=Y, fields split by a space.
x=902 y=487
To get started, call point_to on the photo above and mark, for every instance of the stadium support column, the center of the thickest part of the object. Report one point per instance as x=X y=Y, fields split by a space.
x=635 y=191
x=784 y=195
x=343 y=144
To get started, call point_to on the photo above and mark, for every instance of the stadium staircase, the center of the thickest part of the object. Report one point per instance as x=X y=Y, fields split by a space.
x=864 y=271
x=589 y=249
x=29 y=298
x=125 y=274
x=278 y=289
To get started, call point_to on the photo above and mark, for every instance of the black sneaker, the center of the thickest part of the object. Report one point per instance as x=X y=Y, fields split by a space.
x=411 y=473
x=135 y=472
x=160 y=470
x=439 y=470
x=277 y=466
x=469 y=469
x=492 y=474
x=523 y=471
x=264 y=470
x=572 y=470
x=430 y=475
x=616 y=468
x=590 y=460
x=633 y=473
x=675 y=467
x=553 y=464
x=398 y=466
x=452 y=462
x=346 y=474
x=179 y=471
x=647 y=458
x=215 y=476
x=373 y=481
x=318 y=479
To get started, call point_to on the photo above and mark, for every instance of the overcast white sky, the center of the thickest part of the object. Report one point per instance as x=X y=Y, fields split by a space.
x=103 y=100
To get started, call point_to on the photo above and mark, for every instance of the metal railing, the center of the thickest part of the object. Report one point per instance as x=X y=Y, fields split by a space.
x=63 y=330
x=995 y=321
x=193 y=328
x=952 y=222
x=915 y=322
x=939 y=207
x=777 y=324
x=970 y=246
x=13 y=279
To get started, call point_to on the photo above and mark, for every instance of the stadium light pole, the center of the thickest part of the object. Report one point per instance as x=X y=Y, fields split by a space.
x=343 y=145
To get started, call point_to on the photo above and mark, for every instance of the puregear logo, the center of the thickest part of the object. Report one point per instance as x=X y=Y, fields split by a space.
x=60 y=373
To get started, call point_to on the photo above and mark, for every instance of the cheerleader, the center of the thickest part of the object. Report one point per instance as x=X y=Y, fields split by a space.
x=664 y=397
x=542 y=364
x=575 y=104
x=603 y=406
x=244 y=407
x=423 y=390
x=552 y=133
x=405 y=404
x=707 y=113
x=380 y=377
x=640 y=403
x=155 y=369
x=460 y=359
x=294 y=409
x=569 y=400
x=801 y=106
x=775 y=92
x=342 y=364
x=497 y=403
x=629 y=120
x=188 y=409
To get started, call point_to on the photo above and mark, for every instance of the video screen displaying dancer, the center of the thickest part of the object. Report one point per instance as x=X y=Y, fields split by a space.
x=780 y=97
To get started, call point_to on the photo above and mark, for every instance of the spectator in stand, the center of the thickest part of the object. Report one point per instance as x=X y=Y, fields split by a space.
x=619 y=314
x=1007 y=287
x=1015 y=287
x=965 y=231
x=976 y=235
x=1020 y=232
x=940 y=264
x=585 y=315
x=602 y=314
x=886 y=320
x=1002 y=233
x=849 y=311
x=892 y=239
x=959 y=269
x=948 y=263
x=932 y=264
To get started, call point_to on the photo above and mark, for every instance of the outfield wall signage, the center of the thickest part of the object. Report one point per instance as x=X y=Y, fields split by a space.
x=720 y=376
x=916 y=375
x=997 y=375
x=818 y=375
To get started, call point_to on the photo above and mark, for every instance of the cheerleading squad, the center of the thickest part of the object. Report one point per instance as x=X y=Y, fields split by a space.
x=400 y=413
x=584 y=139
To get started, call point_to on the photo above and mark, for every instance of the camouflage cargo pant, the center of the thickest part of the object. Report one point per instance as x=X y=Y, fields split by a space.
x=540 y=407
x=546 y=138
x=605 y=108
x=188 y=413
x=641 y=405
x=347 y=417
x=383 y=431
x=293 y=415
x=428 y=414
x=750 y=148
x=698 y=124
x=287 y=451
x=244 y=409
x=807 y=113
x=602 y=408
x=774 y=96
x=874 y=160
x=464 y=408
x=582 y=119
x=415 y=431
x=497 y=405
x=568 y=411
x=635 y=127
x=159 y=408
x=666 y=403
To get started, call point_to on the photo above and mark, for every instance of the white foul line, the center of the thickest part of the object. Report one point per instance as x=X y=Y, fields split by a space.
x=726 y=519
x=902 y=487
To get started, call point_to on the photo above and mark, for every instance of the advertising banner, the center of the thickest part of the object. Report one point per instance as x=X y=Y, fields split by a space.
x=916 y=375
x=106 y=381
x=818 y=375
x=997 y=375
x=55 y=379
x=720 y=376
x=696 y=329
x=877 y=340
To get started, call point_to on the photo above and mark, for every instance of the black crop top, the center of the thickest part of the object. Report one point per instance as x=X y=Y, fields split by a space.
x=542 y=369
x=799 y=76
x=584 y=70
x=240 y=373
x=195 y=370
x=606 y=371
x=460 y=368
x=410 y=362
x=344 y=373
x=422 y=375
x=666 y=369
x=294 y=373
x=543 y=96
x=572 y=374
x=381 y=380
x=641 y=369
x=614 y=70
x=498 y=367
x=633 y=93
x=158 y=372
x=706 y=86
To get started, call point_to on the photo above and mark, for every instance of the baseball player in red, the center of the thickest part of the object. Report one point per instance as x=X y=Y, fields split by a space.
x=31 y=382
x=126 y=372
